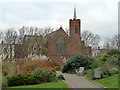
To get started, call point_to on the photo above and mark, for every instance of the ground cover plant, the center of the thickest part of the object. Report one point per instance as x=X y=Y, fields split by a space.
x=109 y=82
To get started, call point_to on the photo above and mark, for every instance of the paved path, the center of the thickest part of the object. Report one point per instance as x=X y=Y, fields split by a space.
x=76 y=81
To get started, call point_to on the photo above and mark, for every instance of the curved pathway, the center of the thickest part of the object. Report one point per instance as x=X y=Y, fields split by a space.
x=76 y=81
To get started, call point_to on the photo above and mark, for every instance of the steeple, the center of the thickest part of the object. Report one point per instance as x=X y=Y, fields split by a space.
x=75 y=25
x=74 y=17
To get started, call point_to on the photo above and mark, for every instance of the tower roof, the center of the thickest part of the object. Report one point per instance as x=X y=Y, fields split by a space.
x=74 y=17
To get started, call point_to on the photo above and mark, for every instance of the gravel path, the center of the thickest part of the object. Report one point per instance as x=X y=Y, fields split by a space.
x=76 y=81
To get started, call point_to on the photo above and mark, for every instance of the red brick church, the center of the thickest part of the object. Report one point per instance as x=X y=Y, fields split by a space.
x=63 y=45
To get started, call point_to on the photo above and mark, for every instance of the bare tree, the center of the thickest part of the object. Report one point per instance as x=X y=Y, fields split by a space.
x=10 y=36
x=111 y=43
x=22 y=33
x=90 y=39
x=47 y=30
x=32 y=31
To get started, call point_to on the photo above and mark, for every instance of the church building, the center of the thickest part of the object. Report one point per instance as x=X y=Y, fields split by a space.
x=59 y=44
x=63 y=45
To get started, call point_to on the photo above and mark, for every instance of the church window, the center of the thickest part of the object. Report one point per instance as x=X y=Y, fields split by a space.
x=76 y=29
x=60 y=45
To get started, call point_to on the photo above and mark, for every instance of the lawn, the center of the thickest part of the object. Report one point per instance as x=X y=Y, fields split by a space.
x=109 y=82
x=60 y=84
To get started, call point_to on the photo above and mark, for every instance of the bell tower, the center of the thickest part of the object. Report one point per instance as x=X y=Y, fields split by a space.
x=74 y=25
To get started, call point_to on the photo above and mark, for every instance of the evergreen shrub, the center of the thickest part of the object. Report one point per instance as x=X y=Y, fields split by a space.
x=77 y=61
x=37 y=77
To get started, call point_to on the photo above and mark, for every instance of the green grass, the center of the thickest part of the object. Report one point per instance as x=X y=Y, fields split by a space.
x=60 y=84
x=109 y=82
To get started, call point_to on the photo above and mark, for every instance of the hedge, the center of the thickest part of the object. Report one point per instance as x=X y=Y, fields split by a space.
x=37 y=77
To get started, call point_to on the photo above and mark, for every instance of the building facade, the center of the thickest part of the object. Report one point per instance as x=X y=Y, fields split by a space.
x=98 y=52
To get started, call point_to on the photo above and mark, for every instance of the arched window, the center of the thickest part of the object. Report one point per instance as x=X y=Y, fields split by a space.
x=60 y=45
x=76 y=29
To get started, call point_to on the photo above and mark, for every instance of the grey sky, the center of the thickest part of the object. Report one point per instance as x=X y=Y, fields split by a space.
x=97 y=16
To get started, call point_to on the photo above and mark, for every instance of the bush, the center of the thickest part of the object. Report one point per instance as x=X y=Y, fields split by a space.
x=95 y=64
x=77 y=61
x=38 y=76
x=113 y=71
x=20 y=79
x=90 y=74
x=114 y=60
x=57 y=68
x=105 y=72
x=43 y=75
x=60 y=78
x=113 y=51
x=104 y=57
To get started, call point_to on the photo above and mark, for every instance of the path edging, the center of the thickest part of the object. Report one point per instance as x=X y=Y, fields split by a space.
x=67 y=84
x=95 y=83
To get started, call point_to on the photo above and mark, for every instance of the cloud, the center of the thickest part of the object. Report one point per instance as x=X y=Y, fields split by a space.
x=97 y=16
x=42 y=24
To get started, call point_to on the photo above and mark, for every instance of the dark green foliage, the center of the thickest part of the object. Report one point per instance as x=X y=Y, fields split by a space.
x=96 y=64
x=60 y=78
x=21 y=79
x=31 y=80
x=17 y=80
x=57 y=68
x=119 y=60
x=113 y=51
x=104 y=57
x=84 y=72
x=114 y=59
x=105 y=72
x=108 y=72
x=90 y=73
x=77 y=61
x=107 y=64
x=38 y=76
x=43 y=75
